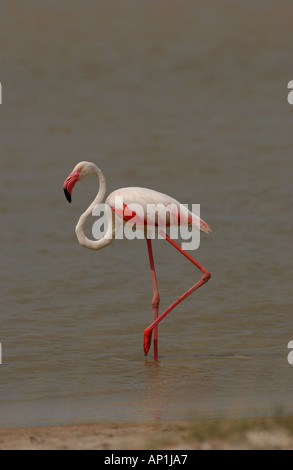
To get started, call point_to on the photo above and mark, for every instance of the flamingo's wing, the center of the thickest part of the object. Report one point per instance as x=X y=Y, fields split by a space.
x=145 y=206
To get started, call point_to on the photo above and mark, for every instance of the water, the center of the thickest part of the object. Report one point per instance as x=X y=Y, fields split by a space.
x=187 y=98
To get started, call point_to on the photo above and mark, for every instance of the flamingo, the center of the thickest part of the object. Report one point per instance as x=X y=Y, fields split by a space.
x=143 y=197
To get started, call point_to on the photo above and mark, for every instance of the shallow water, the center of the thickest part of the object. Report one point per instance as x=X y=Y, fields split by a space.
x=186 y=98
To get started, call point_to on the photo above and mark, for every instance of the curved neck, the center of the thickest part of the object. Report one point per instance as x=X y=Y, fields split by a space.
x=79 y=229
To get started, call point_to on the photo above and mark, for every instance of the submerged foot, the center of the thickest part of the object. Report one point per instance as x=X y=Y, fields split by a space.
x=147 y=339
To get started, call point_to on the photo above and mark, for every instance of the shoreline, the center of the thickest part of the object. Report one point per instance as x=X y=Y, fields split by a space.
x=209 y=434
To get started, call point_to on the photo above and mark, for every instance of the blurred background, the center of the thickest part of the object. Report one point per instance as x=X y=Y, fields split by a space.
x=185 y=97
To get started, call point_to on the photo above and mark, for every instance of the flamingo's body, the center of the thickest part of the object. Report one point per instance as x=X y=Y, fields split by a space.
x=145 y=198
x=151 y=202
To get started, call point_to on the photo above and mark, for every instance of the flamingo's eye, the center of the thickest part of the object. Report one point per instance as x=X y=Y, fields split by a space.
x=79 y=169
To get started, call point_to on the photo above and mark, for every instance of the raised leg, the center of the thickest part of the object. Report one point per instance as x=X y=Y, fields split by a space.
x=156 y=297
x=205 y=277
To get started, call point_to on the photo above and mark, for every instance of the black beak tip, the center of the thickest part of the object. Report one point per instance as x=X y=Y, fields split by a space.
x=67 y=195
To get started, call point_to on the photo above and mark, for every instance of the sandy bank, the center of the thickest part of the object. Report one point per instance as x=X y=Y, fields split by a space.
x=250 y=433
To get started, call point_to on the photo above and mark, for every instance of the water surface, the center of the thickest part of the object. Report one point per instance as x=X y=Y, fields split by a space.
x=186 y=98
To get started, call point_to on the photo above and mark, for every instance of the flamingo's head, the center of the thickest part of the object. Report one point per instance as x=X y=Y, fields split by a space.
x=80 y=171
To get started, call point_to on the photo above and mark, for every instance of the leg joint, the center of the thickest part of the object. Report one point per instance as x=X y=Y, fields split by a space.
x=206 y=276
x=156 y=301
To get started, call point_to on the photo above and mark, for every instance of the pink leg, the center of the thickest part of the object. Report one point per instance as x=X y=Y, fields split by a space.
x=205 y=277
x=156 y=298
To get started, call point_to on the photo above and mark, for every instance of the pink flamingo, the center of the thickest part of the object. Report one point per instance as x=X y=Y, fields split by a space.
x=143 y=197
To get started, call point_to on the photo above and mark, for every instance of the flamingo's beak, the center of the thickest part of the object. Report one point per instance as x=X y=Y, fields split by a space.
x=69 y=183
